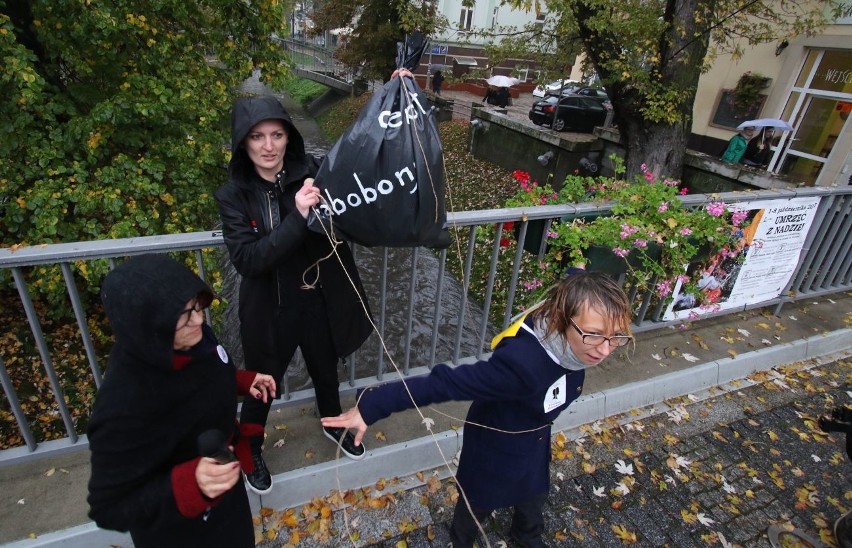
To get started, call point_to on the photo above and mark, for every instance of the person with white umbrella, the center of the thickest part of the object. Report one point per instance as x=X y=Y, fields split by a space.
x=758 y=149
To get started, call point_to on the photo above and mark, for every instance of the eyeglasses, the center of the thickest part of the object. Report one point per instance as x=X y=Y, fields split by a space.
x=596 y=340
x=186 y=316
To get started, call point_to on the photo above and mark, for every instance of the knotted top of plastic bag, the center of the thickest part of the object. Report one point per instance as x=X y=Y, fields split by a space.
x=408 y=53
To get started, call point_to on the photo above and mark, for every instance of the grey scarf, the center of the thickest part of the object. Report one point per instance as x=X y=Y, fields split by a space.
x=558 y=346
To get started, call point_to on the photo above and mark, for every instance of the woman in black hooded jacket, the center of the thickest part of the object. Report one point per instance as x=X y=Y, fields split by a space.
x=168 y=384
x=294 y=293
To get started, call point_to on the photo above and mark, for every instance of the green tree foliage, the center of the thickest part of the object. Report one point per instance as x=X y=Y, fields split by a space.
x=114 y=114
x=377 y=25
x=650 y=54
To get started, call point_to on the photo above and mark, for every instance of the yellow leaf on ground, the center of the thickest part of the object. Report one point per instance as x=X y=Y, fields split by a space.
x=688 y=517
x=624 y=534
x=381 y=436
x=589 y=468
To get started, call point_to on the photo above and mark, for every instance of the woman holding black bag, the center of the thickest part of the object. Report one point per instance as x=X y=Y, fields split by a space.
x=294 y=292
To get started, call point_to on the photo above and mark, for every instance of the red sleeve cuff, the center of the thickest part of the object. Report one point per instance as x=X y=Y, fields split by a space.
x=191 y=502
x=244 y=381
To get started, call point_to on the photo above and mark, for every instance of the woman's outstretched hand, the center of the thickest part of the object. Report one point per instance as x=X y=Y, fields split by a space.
x=348 y=419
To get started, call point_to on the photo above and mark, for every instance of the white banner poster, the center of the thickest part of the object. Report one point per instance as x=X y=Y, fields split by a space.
x=755 y=266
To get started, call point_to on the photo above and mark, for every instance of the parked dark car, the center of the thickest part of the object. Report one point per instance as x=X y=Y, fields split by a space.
x=575 y=112
x=584 y=91
x=592 y=92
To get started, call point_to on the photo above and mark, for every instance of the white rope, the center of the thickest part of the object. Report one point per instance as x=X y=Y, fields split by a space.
x=424 y=420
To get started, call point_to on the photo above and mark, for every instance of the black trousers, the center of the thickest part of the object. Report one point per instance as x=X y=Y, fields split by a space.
x=527 y=523
x=306 y=327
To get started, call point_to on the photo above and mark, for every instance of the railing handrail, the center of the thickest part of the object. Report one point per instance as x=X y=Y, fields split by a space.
x=119 y=247
x=825 y=267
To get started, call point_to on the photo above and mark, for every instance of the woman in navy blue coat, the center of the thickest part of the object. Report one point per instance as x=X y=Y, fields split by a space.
x=535 y=372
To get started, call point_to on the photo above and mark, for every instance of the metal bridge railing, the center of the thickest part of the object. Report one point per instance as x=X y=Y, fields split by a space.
x=413 y=297
x=314 y=58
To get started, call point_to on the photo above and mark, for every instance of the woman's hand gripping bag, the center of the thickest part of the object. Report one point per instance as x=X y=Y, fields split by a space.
x=382 y=183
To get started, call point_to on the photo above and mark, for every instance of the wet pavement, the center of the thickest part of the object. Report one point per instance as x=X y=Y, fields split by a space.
x=719 y=467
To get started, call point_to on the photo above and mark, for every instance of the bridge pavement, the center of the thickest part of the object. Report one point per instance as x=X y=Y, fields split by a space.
x=732 y=395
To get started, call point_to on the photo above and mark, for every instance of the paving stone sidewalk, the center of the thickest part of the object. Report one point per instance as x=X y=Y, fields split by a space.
x=715 y=470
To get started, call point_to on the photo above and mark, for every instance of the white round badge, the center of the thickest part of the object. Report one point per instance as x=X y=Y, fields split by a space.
x=222 y=354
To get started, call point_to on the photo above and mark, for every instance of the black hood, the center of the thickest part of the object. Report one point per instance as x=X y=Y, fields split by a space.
x=143 y=298
x=247 y=113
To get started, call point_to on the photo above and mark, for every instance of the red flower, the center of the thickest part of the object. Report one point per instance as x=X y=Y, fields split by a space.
x=684 y=191
x=504 y=242
x=508 y=226
x=521 y=176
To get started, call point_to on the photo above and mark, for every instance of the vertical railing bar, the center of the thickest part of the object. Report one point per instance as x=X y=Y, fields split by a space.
x=845 y=270
x=646 y=298
x=841 y=245
x=352 y=360
x=489 y=290
x=814 y=246
x=513 y=282
x=35 y=327
x=17 y=410
x=383 y=296
x=631 y=296
x=202 y=273
x=831 y=244
x=80 y=315
x=439 y=293
x=409 y=320
x=468 y=261
x=542 y=247
x=285 y=394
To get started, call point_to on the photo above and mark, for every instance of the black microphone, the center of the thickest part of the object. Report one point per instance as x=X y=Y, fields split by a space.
x=211 y=443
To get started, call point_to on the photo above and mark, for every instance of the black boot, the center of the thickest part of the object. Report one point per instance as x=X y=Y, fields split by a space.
x=259 y=480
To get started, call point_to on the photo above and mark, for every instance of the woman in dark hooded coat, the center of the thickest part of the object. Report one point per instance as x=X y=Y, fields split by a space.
x=167 y=384
x=294 y=292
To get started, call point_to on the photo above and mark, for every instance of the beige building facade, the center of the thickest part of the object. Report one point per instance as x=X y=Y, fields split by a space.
x=809 y=85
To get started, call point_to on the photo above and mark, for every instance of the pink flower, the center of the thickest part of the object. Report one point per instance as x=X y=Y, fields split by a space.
x=552 y=234
x=683 y=278
x=664 y=288
x=716 y=209
x=534 y=284
x=684 y=191
x=663 y=207
x=620 y=251
x=685 y=231
x=640 y=243
x=669 y=182
x=738 y=217
x=694 y=315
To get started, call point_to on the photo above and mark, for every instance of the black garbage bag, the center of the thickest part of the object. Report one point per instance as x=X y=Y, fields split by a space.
x=382 y=183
